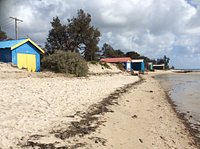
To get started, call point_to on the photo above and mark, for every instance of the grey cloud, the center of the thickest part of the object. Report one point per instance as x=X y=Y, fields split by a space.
x=150 y=27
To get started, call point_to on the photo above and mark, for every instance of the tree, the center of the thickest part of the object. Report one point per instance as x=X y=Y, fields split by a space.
x=166 y=62
x=58 y=37
x=3 y=35
x=83 y=36
x=108 y=51
x=133 y=55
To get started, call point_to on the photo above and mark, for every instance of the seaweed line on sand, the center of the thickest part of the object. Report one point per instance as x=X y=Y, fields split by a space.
x=192 y=131
x=89 y=121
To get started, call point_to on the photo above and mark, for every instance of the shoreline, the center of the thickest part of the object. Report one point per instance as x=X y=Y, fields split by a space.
x=193 y=131
x=181 y=137
x=185 y=121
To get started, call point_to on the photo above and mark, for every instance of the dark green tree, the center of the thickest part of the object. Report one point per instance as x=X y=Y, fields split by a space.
x=133 y=55
x=3 y=35
x=108 y=51
x=58 y=38
x=83 y=36
x=166 y=61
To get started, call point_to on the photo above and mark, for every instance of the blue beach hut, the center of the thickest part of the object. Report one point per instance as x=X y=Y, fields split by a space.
x=138 y=65
x=23 y=52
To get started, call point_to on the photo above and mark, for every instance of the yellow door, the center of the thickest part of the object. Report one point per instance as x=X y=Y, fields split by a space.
x=27 y=61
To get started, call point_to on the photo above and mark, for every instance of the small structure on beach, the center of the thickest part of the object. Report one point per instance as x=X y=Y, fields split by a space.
x=23 y=52
x=126 y=61
x=159 y=66
x=150 y=66
x=138 y=65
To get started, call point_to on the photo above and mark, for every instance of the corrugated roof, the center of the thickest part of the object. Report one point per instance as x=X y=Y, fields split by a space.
x=12 y=44
x=116 y=60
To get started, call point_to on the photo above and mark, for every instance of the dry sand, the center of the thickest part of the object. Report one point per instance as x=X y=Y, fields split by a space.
x=107 y=111
x=35 y=105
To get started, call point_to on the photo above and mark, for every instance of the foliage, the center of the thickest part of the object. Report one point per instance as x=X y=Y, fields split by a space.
x=77 y=36
x=3 y=35
x=58 y=37
x=108 y=51
x=94 y=62
x=172 y=67
x=104 y=64
x=120 y=66
x=84 y=36
x=65 y=62
x=165 y=60
x=133 y=55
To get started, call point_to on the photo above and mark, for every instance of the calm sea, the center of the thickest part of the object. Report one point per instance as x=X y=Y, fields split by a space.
x=184 y=91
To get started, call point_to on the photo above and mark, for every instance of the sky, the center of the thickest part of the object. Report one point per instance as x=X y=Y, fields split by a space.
x=153 y=28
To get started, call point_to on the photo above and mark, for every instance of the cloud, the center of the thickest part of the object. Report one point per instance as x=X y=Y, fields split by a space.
x=151 y=27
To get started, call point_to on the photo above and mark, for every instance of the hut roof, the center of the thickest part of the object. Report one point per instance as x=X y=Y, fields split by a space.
x=12 y=44
x=116 y=60
x=138 y=60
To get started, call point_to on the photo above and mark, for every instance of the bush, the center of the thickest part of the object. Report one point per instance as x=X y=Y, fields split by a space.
x=120 y=66
x=104 y=64
x=94 y=62
x=65 y=62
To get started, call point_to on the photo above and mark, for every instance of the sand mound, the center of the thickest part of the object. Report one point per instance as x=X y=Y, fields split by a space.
x=99 y=69
x=8 y=67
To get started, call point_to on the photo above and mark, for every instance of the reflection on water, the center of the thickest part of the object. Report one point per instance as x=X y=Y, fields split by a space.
x=184 y=90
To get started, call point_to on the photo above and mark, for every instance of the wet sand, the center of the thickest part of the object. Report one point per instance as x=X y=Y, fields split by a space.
x=183 y=91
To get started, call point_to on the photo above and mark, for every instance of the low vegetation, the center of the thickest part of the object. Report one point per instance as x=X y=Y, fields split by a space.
x=104 y=64
x=65 y=62
x=120 y=66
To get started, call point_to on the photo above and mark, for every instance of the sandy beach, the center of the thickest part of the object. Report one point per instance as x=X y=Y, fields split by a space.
x=143 y=119
x=99 y=111
x=32 y=104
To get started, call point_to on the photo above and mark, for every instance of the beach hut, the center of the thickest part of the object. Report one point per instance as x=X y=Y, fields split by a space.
x=22 y=52
x=159 y=66
x=138 y=65
x=150 y=66
x=126 y=61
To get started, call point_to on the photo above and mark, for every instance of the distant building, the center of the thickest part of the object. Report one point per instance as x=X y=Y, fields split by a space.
x=126 y=61
x=150 y=66
x=138 y=65
x=23 y=52
x=159 y=66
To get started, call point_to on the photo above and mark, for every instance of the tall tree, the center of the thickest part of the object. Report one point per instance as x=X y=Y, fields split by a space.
x=3 y=35
x=83 y=36
x=166 y=61
x=108 y=51
x=58 y=37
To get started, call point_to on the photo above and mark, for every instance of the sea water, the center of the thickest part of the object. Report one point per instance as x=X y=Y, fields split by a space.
x=184 y=91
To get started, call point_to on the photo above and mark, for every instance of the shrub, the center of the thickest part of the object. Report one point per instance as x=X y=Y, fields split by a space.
x=104 y=64
x=94 y=62
x=120 y=66
x=65 y=62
